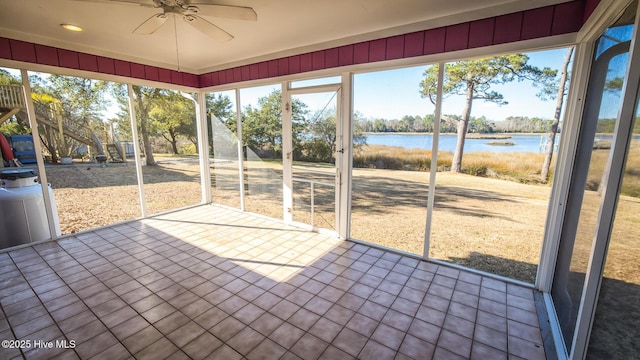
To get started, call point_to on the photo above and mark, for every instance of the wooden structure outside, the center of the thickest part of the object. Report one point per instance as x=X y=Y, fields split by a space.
x=50 y=117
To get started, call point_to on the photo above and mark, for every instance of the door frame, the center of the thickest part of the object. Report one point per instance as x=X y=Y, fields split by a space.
x=605 y=16
x=287 y=153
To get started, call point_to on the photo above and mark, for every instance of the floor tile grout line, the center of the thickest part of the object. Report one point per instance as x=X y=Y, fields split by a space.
x=164 y=301
x=5 y=314
x=40 y=300
x=138 y=313
x=339 y=258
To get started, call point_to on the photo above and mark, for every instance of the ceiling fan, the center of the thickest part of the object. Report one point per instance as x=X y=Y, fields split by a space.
x=190 y=12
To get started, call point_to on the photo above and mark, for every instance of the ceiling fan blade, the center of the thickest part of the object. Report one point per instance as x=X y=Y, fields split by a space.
x=151 y=24
x=148 y=3
x=225 y=11
x=207 y=28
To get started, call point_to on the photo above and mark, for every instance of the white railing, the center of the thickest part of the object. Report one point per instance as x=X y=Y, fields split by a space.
x=312 y=186
x=11 y=96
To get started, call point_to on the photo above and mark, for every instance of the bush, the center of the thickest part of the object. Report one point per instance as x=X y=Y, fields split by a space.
x=513 y=166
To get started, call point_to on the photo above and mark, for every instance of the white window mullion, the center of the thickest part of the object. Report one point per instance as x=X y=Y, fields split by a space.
x=136 y=150
x=346 y=156
x=434 y=160
x=287 y=155
x=50 y=209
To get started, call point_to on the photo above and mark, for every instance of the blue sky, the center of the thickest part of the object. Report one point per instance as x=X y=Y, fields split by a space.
x=394 y=93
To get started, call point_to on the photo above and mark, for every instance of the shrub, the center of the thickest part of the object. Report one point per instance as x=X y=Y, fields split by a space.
x=513 y=166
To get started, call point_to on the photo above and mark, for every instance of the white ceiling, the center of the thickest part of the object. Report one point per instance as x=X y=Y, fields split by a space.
x=284 y=27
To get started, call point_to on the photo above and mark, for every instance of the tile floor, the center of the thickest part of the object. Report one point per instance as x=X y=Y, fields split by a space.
x=213 y=283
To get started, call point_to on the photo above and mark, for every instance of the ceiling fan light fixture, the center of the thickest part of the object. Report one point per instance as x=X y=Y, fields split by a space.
x=72 y=27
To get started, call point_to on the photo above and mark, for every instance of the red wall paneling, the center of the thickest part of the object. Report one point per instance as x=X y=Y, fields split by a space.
x=395 y=47
x=565 y=19
x=481 y=33
x=164 y=75
x=361 y=53
x=283 y=66
x=306 y=62
x=237 y=74
x=434 y=40
x=377 y=50
x=190 y=80
x=508 y=28
x=273 y=68
x=151 y=73
x=5 y=48
x=137 y=71
x=414 y=44
x=456 y=37
x=263 y=70
x=317 y=60
x=537 y=23
x=332 y=58
x=176 y=77
x=345 y=55
x=228 y=74
x=88 y=62
x=246 y=72
x=122 y=68
x=23 y=51
x=106 y=65
x=46 y=55
x=69 y=59
x=294 y=64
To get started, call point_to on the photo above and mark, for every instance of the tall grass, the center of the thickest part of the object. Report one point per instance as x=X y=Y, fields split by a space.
x=514 y=166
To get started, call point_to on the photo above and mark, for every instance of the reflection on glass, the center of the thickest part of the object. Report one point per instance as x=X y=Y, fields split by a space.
x=222 y=124
x=615 y=330
x=262 y=148
x=314 y=149
x=599 y=122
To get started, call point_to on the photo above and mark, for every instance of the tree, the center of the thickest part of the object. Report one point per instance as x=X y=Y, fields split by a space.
x=173 y=116
x=222 y=108
x=562 y=84
x=262 y=126
x=7 y=79
x=480 y=125
x=319 y=141
x=473 y=79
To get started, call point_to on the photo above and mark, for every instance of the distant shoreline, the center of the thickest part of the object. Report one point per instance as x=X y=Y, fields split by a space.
x=469 y=135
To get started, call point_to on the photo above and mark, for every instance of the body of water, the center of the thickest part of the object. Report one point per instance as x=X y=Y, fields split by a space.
x=447 y=142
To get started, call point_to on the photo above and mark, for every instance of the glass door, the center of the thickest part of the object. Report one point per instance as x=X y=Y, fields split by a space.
x=315 y=120
x=582 y=231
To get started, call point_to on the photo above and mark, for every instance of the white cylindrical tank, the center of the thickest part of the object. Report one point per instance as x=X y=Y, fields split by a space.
x=23 y=217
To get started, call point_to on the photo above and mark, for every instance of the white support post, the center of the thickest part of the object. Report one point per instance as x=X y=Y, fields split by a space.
x=344 y=161
x=203 y=147
x=54 y=231
x=136 y=150
x=434 y=161
x=564 y=165
x=287 y=156
x=240 y=153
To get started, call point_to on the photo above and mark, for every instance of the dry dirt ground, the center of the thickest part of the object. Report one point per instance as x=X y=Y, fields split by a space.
x=487 y=224
x=89 y=195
